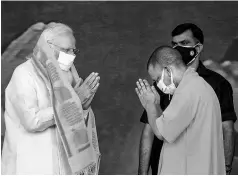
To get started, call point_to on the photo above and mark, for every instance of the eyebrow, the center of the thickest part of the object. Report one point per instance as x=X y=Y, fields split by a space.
x=185 y=40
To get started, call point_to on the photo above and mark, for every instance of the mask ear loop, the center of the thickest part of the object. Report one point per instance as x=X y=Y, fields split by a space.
x=162 y=77
x=171 y=79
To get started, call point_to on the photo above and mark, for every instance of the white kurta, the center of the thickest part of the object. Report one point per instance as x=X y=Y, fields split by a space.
x=30 y=145
x=192 y=128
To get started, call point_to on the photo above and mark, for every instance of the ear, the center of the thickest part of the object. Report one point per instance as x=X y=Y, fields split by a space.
x=199 y=48
x=56 y=53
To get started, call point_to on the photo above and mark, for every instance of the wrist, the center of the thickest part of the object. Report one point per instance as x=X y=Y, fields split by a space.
x=153 y=109
x=150 y=107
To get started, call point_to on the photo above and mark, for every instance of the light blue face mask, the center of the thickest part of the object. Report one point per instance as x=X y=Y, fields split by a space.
x=65 y=61
x=170 y=89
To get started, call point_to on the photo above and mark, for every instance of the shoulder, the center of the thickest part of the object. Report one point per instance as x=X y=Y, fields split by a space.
x=194 y=86
x=216 y=80
x=23 y=71
x=25 y=67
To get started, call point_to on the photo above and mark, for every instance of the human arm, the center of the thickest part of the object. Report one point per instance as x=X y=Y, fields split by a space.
x=150 y=100
x=156 y=148
x=23 y=97
x=153 y=112
x=177 y=116
x=146 y=142
x=225 y=96
x=229 y=144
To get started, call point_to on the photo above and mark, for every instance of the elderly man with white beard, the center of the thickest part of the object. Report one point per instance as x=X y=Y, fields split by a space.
x=50 y=126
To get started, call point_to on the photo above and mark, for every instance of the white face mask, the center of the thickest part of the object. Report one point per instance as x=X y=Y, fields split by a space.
x=65 y=60
x=164 y=88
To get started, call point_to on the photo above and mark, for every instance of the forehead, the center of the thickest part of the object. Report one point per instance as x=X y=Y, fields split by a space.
x=155 y=71
x=65 y=40
x=185 y=36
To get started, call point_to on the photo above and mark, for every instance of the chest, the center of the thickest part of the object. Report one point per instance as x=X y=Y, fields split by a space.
x=68 y=76
x=43 y=90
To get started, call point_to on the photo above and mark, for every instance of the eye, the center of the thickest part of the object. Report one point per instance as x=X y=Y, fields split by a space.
x=184 y=42
x=67 y=50
x=71 y=50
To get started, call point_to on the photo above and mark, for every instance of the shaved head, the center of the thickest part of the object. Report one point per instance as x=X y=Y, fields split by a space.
x=165 y=56
x=169 y=60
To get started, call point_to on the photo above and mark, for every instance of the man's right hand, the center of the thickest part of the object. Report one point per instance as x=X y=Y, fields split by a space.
x=87 y=89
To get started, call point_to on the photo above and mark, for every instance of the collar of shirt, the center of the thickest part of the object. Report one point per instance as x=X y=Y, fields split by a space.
x=202 y=70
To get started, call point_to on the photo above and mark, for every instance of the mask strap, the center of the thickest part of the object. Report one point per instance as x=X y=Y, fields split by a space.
x=196 y=54
x=172 y=80
x=171 y=77
x=162 y=77
x=192 y=59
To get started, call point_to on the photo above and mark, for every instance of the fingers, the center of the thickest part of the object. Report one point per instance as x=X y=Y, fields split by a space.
x=91 y=78
x=147 y=85
x=94 y=83
x=139 y=86
x=143 y=85
x=95 y=88
x=138 y=92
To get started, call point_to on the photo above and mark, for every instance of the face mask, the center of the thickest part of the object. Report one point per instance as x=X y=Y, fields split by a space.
x=65 y=60
x=164 y=88
x=189 y=53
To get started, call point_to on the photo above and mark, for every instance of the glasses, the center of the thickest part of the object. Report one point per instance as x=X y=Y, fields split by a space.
x=69 y=50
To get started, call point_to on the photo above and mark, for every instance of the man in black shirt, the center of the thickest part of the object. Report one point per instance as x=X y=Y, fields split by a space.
x=188 y=40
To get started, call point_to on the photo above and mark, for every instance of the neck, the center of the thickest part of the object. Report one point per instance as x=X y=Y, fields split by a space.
x=195 y=63
x=180 y=75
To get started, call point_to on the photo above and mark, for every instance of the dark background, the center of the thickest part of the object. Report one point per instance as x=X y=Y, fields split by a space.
x=116 y=39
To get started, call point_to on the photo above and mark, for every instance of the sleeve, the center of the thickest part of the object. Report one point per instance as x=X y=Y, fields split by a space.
x=177 y=116
x=144 y=118
x=25 y=104
x=225 y=96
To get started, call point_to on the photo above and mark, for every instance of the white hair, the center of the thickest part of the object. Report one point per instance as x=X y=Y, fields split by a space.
x=52 y=30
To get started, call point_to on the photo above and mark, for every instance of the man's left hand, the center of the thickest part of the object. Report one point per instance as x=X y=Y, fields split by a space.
x=147 y=94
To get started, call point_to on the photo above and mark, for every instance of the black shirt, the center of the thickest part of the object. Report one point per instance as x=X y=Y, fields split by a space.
x=224 y=93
